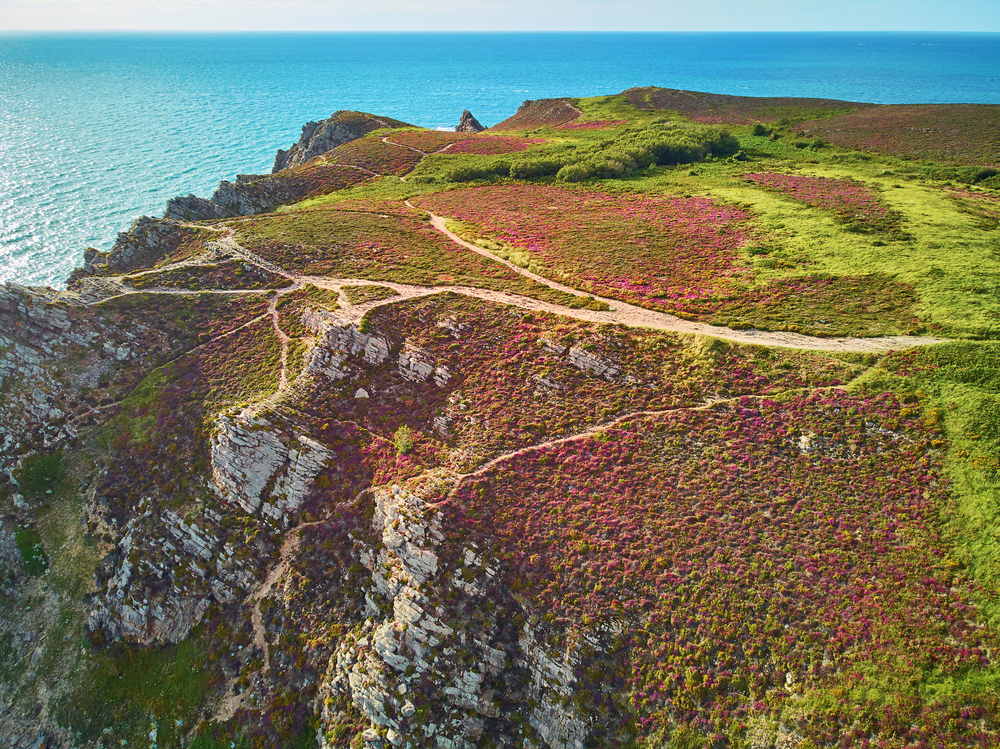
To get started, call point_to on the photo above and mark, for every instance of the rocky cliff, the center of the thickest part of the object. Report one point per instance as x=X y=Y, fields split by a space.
x=319 y=137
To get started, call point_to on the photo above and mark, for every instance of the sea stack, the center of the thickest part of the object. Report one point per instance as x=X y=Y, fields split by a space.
x=468 y=124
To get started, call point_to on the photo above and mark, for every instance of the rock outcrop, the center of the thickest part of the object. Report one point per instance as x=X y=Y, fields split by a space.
x=261 y=467
x=163 y=574
x=468 y=124
x=319 y=137
x=147 y=241
x=441 y=660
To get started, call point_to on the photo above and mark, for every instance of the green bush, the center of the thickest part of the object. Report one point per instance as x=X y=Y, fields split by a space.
x=403 y=440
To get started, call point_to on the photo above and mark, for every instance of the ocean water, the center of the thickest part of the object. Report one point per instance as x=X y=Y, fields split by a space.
x=98 y=129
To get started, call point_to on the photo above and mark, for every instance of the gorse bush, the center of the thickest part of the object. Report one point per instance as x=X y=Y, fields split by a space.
x=629 y=152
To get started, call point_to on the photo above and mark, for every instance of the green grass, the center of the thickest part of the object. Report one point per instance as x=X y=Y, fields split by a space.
x=383 y=243
x=951 y=262
x=41 y=473
x=959 y=383
x=123 y=687
x=367 y=293
x=29 y=543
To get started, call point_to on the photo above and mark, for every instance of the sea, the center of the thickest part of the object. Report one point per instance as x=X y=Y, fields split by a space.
x=99 y=129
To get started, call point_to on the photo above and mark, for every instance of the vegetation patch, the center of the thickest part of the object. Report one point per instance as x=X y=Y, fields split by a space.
x=130 y=689
x=39 y=474
x=677 y=254
x=742 y=554
x=540 y=113
x=492 y=145
x=736 y=110
x=29 y=543
x=945 y=133
x=375 y=155
x=226 y=275
x=367 y=293
x=428 y=141
x=374 y=245
x=853 y=203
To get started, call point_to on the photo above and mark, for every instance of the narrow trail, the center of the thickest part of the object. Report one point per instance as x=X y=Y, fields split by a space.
x=272 y=309
x=293 y=539
x=461 y=478
x=621 y=313
x=400 y=145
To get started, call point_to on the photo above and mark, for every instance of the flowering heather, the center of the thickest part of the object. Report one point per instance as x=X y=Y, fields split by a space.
x=492 y=145
x=985 y=206
x=591 y=125
x=428 y=141
x=375 y=156
x=870 y=305
x=673 y=253
x=510 y=388
x=540 y=113
x=229 y=274
x=314 y=179
x=735 y=110
x=366 y=243
x=853 y=202
x=158 y=433
x=946 y=133
x=752 y=554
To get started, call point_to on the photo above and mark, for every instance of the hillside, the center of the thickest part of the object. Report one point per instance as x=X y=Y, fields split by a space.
x=661 y=419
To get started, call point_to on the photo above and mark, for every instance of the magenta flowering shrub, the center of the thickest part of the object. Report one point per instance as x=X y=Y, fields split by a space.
x=314 y=179
x=776 y=558
x=229 y=274
x=671 y=252
x=540 y=113
x=428 y=141
x=674 y=254
x=591 y=125
x=946 y=133
x=984 y=206
x=512 y=383
x=367 y=241
x=375 y=156
x=492 y=145
x=853 y=202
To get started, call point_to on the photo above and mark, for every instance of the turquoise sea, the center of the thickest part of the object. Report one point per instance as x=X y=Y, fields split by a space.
x=98 y=129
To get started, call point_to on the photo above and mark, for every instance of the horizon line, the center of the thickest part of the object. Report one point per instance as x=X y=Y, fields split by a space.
x=491 y=31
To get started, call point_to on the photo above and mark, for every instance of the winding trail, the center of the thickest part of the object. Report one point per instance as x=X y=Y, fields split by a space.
x=620 y=313
x=461 y=478
x=293 y=539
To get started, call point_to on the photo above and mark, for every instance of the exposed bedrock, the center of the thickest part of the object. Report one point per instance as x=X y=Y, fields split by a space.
x=468 y=124
x=446 y=655
x=319 y=137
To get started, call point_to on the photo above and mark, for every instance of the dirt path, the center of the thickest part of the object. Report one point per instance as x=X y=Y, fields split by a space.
x=622 y=313
x=272 y=309
x=293 y=539
x=597 y=429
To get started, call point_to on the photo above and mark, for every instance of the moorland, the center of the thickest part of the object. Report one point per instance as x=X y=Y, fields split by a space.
x=660 y=419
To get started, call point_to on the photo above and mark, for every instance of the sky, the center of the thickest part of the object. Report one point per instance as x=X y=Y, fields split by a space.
x=500 y=15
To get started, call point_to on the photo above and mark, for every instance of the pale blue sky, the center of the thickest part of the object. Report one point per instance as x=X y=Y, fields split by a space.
x=502 y=15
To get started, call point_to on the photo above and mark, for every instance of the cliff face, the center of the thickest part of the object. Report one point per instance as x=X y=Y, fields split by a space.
x=319 y=137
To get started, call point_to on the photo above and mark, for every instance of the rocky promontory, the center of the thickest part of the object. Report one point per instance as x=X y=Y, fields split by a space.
x=601 y=428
